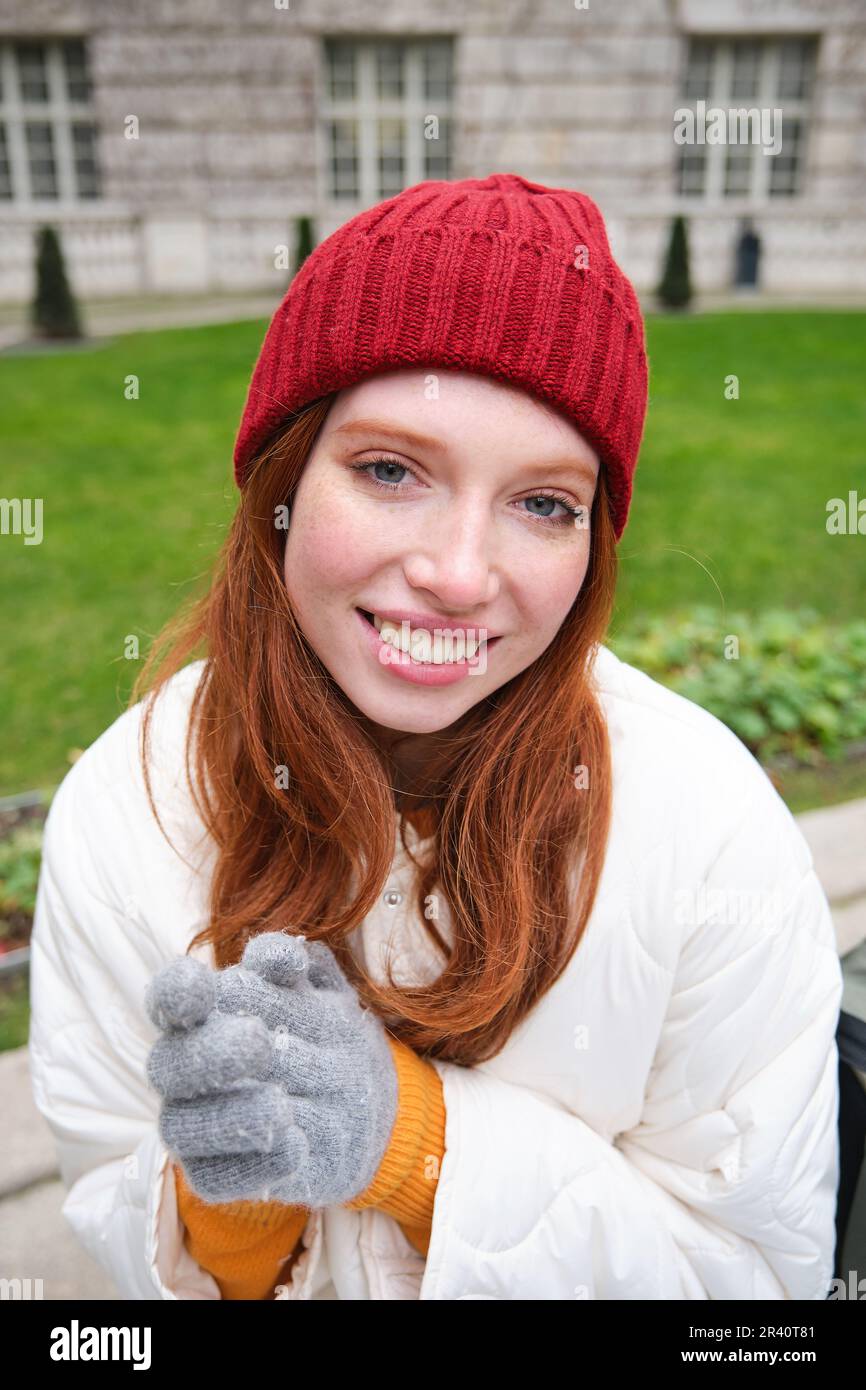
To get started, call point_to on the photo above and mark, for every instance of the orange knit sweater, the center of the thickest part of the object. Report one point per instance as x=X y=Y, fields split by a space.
x=249 y=1247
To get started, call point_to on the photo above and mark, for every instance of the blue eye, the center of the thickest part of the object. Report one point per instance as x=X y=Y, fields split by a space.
x=552 y=497
x=569 y=519
x=380 y=463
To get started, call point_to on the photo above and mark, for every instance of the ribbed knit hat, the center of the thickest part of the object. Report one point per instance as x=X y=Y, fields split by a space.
x=498 y=276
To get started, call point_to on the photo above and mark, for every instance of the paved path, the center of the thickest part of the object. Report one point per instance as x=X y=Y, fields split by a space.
x=37 y=1243
x=138 y=313
x=103 y=318
x=837 y=839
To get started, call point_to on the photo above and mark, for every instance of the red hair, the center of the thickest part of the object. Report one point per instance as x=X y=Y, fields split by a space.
x=518 y=842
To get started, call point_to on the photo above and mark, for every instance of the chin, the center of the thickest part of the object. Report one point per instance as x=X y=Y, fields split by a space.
x=411 y=722
x=420 y=713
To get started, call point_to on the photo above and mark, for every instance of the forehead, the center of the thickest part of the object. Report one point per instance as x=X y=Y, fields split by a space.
x=438 y=408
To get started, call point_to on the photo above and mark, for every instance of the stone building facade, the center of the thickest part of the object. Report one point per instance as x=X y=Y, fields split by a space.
x=176 y=143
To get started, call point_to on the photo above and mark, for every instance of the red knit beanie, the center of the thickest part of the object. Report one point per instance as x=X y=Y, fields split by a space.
x=498 y=276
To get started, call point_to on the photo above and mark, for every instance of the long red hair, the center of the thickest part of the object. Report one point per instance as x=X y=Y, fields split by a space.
x=518 y=836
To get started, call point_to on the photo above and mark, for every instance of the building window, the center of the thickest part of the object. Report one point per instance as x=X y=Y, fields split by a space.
x=387 y=115
x=42 y=165
x=47 y=130
x=756 y=75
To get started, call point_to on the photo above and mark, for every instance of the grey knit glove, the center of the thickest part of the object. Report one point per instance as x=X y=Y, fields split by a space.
x=276 y=1083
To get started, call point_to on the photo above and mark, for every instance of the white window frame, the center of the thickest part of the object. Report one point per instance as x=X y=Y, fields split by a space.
x=59 y=112
x=766 y=96
x=367 y=108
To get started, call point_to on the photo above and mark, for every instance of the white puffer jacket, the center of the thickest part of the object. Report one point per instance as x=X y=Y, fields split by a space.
x=662 y=1126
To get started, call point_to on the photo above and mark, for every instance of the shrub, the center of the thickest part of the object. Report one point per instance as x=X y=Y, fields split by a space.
x=20 y=854
x=797 y=687
x=675 y=287
x=54 y=313
x=303 y=240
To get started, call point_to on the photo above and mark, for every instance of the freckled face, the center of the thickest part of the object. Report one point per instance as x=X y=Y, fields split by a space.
x=470 y=520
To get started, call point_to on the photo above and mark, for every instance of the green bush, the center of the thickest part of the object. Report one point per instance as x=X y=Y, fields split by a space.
x=675 y=286
x=303 y=241
x=54 y=313
x=20 y=854
x=797 y=686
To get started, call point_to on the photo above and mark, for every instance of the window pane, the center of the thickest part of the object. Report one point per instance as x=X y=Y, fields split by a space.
x=437 y=153
x=738 y=171
x=785 y=171
x=697 y=79
x=796 y=66
x=32 y=73
x=84 y=154
x=692 y=169
x=436 y=61
x=389 y=70
x=344 y=159
x=747 y=63
x=392 y=89
x=391 y=172
x=75 y=69
x=40 y=156
x=5 y=167
x=341 y=71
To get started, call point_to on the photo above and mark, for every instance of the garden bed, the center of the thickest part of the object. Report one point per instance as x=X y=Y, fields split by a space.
x=21 y=821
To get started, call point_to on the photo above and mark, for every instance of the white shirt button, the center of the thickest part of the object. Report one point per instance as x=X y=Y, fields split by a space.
x=392 y=897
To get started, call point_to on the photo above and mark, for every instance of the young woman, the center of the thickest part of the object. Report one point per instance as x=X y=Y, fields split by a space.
x=404 y=942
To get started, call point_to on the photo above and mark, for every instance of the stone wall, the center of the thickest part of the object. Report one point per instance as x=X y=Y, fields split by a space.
x=230 y=150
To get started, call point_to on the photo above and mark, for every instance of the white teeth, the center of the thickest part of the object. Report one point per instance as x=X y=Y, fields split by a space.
x=419 y=644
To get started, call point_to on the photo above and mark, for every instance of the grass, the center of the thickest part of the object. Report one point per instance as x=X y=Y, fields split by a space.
x=807 y=788
x=136 y=498
x=14 y=1011
x=137 y=495
x=733 y=493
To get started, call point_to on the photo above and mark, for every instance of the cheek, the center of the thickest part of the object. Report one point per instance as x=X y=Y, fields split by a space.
x=550 y=591
x=326 y=545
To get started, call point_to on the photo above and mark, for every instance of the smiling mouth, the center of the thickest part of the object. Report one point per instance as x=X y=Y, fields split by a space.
x=477 y=644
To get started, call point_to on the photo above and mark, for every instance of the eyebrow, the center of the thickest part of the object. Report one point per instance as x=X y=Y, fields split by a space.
x=383 y=428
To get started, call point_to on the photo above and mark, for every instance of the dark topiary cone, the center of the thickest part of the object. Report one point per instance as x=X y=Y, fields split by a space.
x=675 y=289
x=54 y=313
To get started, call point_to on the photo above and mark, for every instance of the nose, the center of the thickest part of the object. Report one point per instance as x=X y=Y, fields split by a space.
x=452 y=558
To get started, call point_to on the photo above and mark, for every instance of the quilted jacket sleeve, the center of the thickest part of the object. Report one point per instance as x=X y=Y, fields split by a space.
x=87 y=1065
x=89 y=1041
x=726 y=1187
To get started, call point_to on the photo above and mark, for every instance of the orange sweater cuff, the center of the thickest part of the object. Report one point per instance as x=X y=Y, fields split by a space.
x=405 y=1184
x=244 y=1244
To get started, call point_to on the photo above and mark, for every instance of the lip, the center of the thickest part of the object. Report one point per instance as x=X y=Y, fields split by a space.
x=432 y=623
x=401 y=665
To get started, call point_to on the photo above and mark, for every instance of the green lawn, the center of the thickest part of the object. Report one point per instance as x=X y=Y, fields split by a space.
x=739 y=488
x=14 y=1011
x=137 y=496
